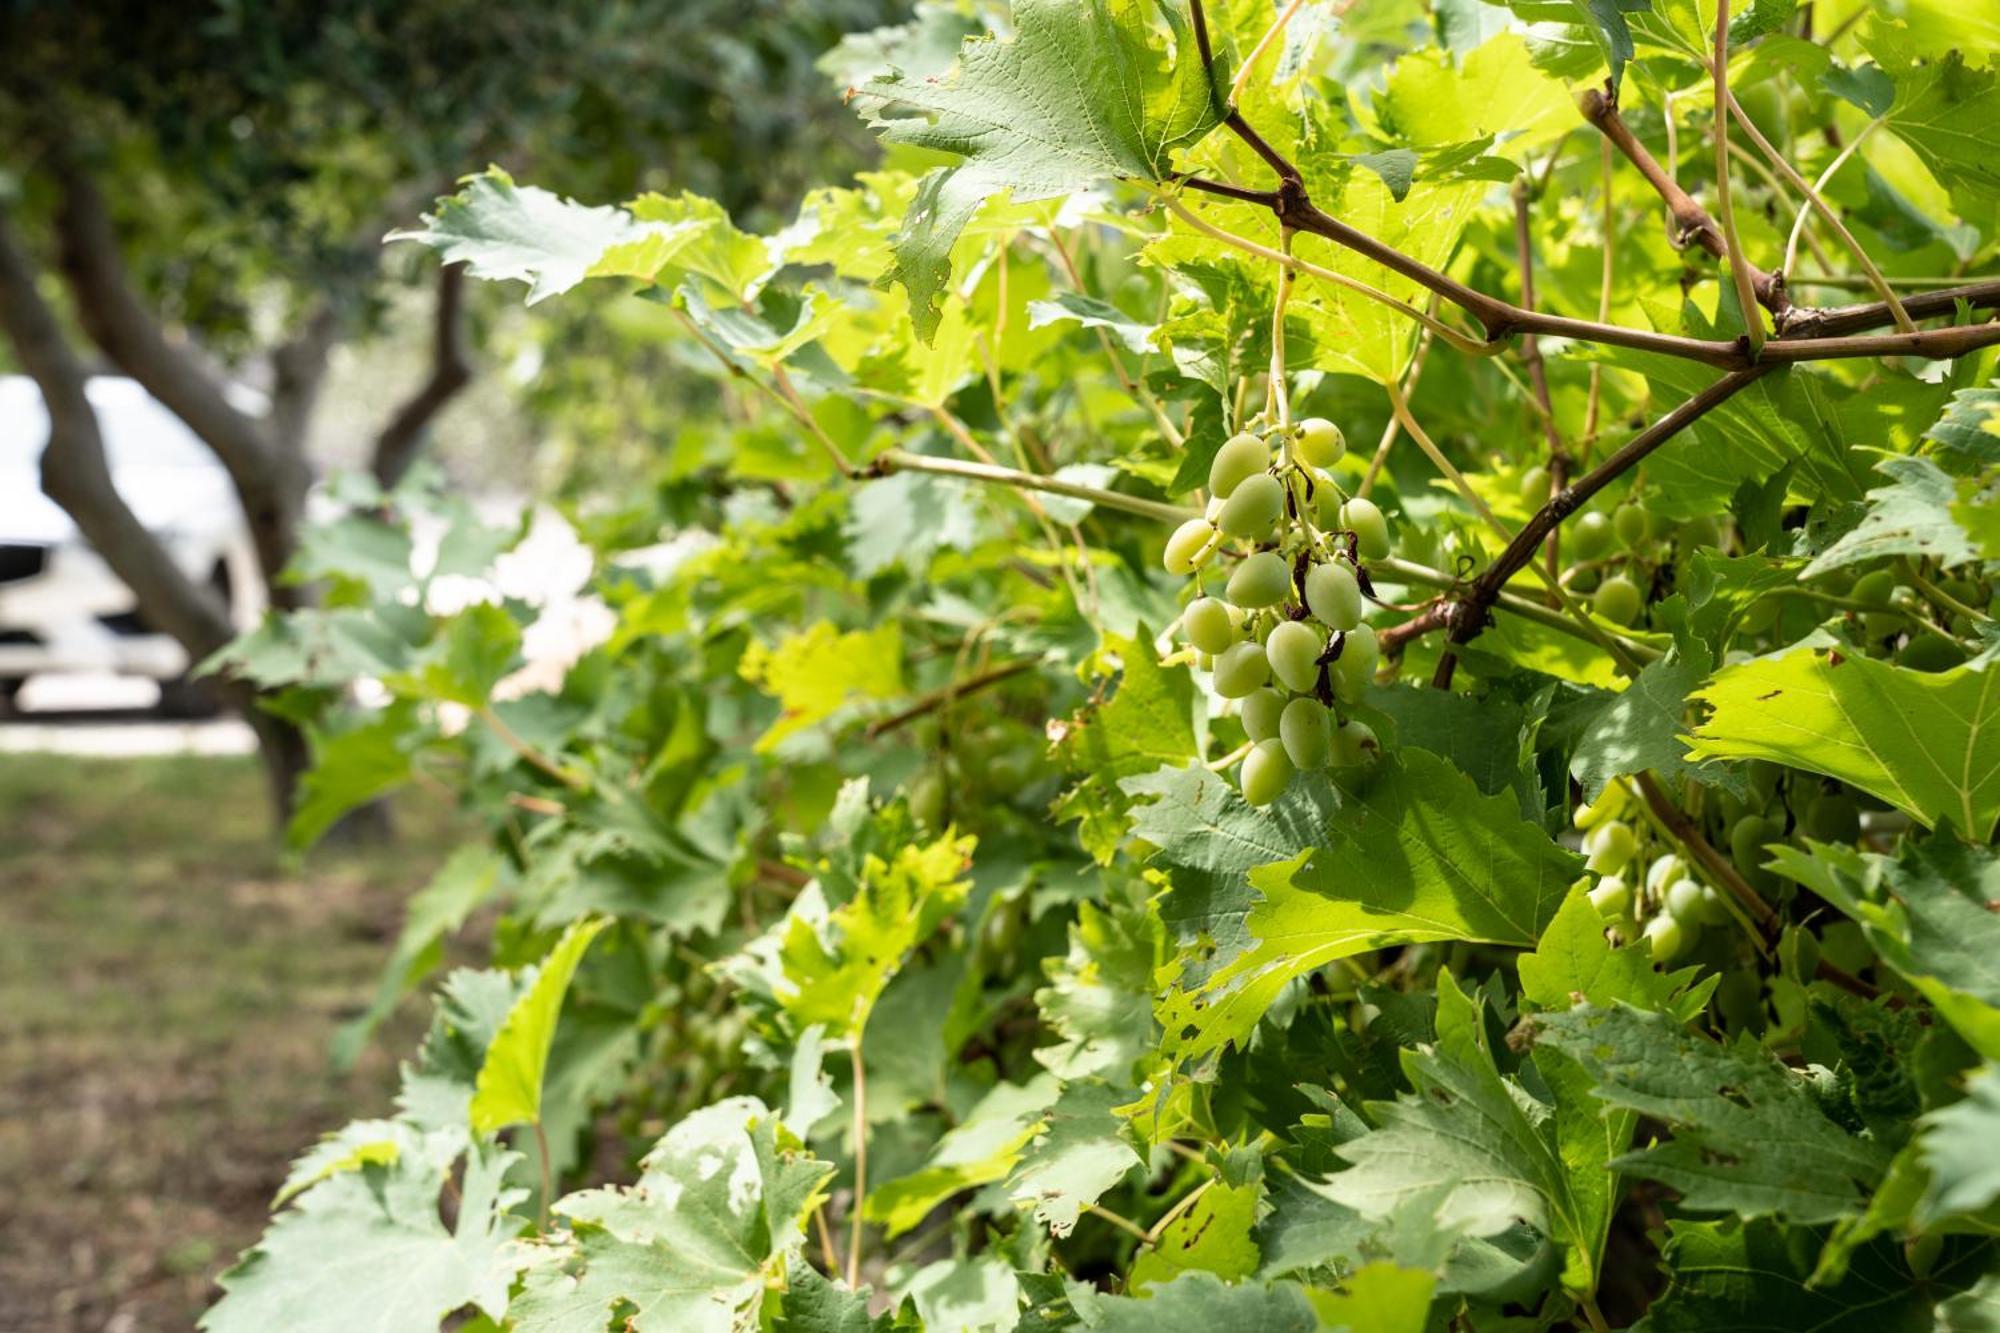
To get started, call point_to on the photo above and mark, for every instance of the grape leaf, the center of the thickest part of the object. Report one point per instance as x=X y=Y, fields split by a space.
x=1080 y=93
x=1947 y=113
x=1912 y=517
x=1604 y=20
x=509 y=1088
x=1927 y=743
x=1204 y=1301
x=1966 y=439
x=981 y=1148
x=822 y=670
x=503 y=232
x=1147 y=723
x=717 y=1214
x=1640 y=729
x=1099 y=999
x=1378 y=1298
x=1957 y=1144
x=1211 y=1237
x=1416 y=853
x=1080 y=1152
x=1749 y=1137
x=816 y=1304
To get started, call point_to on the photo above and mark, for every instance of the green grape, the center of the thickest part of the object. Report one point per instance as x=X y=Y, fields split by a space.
x=1320 y=442
x=1239 y=459
x=1610 y=846
x=1666 y=938
x=1832 y=817
x=1209 y=624
x=1294 y=648
x=1683 y=902
x=1701 y=530
x=1709 y=909
x=1633 y=525
x=1370 y=528
x=1590 y=536
x=1189 y=547
x=1306 y=729
x=1664 y=870
x=1535 y=486
x=1618 y=600
x=1259 y=580
x=1253 y=509
x=1261 y=711
x=1747 y=837
x=1334 y=595
x=926 y=797
x=1354 y=744
x=1583 y=579
x=1874 y=589
x=1760 y=616
x=1352 y=672
x=1240 y=670
x=1612 y=897
x=1927 y=652
x=1609 y=804
x=1267 y=770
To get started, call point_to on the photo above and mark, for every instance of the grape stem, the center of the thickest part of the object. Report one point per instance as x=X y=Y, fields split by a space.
x=1739 y=267
x=902 y=460
x=950 y=693
x=1538 y=374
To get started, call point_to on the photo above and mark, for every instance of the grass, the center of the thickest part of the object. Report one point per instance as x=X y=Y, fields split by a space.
x=168 y=987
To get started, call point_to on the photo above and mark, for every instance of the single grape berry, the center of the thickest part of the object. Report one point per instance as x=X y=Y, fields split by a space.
x=1352 y=671
x=1189 y=547
x=1633 y=524
x=1664 y=870
x=1260 y=580
x=1608 y=804
x=1666 y=938
x=1612 y=897
x=1618 y=600
x=1320 y=442
x=1240 y=670
x=1253 y=508
x=1590 y=536
x=1261 y=711
x=1874 y=589
x=1210 y=626
x=1294 y=648
x=1610 y=846
x=1683 y=901
x=1354 y=744
x=1747 y=837
x=1240 y=458
x=1267 y=770
x=1370 y=528
x=1710 y=910
x=1334 y=595
x=1307 y=732
x=1535 y=486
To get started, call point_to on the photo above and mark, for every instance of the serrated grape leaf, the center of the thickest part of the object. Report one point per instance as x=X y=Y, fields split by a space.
x=355 y=1145
x=1432 y=99
x=836 y=963
x=1604 y=20
x=1415 y=852
x=1949 y=114
x=1482 y=736
x=1203 y=1301
x=1738 y=1277
x=1966 y=439
x=905 y=518
x=1099 y=999
x=717 y=1214
x=686 y=233
x=1467 y=1154
x=1081 y=1150
x=1957 y=1144
x=1748 y=1136
x=981 y=1148
x=1928 y=913
x=509 y=1087
x=1148 y=722
x=1211 y=1237
x=816 y=1304
x=365 y=1251
x=1926 y=742
x=1082 y=92
x=1640 y=729
x=975 y=1294
x=1378 y=1298
x=1912 y=517
x=353 y=762
x=503 y=232
x=1135 y=335
x=816 y=673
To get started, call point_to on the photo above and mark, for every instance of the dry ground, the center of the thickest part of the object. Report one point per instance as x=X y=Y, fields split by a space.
x=168 y=986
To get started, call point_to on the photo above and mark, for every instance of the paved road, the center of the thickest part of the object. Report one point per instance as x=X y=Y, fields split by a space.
x=109 y=715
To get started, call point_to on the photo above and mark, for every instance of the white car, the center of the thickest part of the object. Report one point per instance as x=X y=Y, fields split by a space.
x=61 y=607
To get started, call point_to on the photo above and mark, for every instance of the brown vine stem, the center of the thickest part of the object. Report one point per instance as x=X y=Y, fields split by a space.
x=946 y=694
x=1739 y=267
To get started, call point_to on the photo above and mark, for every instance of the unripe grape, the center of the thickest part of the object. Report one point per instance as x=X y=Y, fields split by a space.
x=1240 y=670
x=1334 y=595
x=1371 y=529
x=1320 y=442
x=1747 y=837
x=1267 y=769
x=1666 y=938
x=1209 y=625
x=1239 y=459
x=1590 y=536
x=1263 y=579
x=1612 y=897
x=1189 y=547
x=1760 y=615
x=1832 y=817
x=1307 y=732
x=1928 y=652
x=1610 y=846
x=1294 y=648
x=1874 y=589
x=1664 y=870
x=1535 y=486
x=1633 y=525
x=1709 y=909
x=1354 y=744
x=1701 y=530
x=1683 y=902
x=1262 y=710
x=1253 y=508
x=1618 y=600
x=1608 y=804
x=1355 y=667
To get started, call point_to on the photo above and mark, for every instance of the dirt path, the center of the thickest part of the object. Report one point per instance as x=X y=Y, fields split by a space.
x=167 y=989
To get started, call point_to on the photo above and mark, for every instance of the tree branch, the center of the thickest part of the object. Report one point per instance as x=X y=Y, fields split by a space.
x=397 y=447
x=902 y=460
x=272 y=485
x=76 y=475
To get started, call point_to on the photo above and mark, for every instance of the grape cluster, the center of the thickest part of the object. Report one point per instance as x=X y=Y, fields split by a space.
x=1285 y=639
x=1664 y=895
